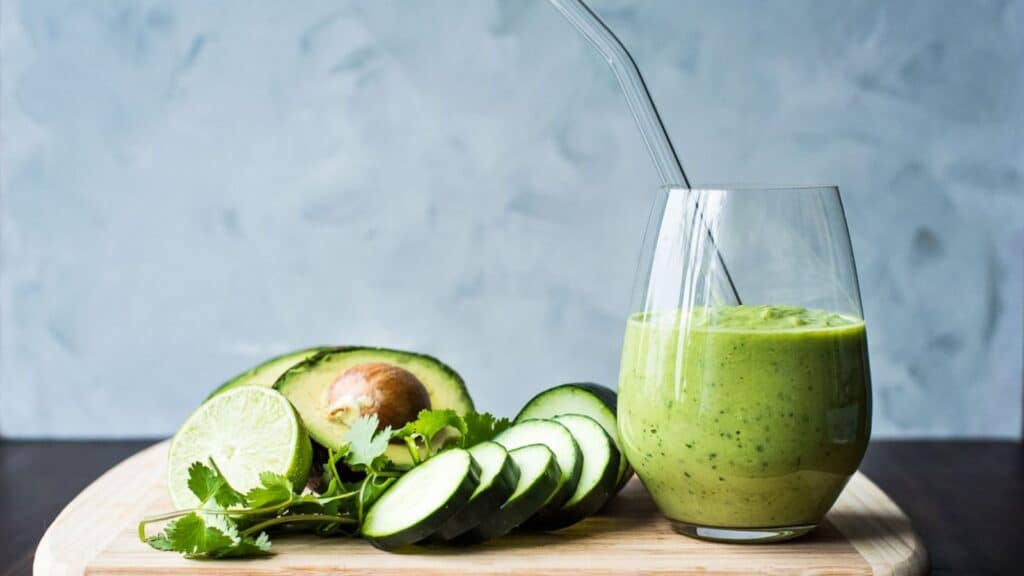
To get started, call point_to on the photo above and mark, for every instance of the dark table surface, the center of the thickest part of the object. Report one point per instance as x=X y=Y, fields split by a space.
x=965 y=498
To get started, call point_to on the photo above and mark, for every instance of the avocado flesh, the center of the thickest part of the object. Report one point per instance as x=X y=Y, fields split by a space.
x=268 y=372
x=306 y=384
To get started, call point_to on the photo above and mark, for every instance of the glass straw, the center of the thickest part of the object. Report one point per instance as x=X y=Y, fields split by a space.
x=638 y=97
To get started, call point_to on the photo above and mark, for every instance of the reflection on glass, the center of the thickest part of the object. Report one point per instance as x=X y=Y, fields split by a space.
x=746 y=418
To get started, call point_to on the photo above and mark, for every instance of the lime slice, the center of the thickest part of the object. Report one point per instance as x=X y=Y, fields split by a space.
x=246 y=431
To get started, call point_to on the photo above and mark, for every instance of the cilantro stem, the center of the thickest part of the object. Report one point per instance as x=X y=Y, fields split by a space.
x=325 y=499
x=223 y=512
x=230 y=512
x=322 y=518
x=414 y=450
x=362 y=491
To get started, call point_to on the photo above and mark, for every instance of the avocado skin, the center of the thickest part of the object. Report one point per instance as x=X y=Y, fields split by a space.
x=325 y=354
x=313 y=370
x=245 y=377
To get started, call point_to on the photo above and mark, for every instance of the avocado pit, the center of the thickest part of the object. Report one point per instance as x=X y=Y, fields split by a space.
x=394 y=394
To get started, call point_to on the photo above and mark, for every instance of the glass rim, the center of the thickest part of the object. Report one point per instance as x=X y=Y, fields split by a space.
x=746 y=187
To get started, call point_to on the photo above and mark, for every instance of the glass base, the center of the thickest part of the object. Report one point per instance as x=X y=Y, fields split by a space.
x=741 y=535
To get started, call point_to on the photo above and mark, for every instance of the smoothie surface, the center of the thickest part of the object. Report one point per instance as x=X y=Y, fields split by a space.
x=762 y=318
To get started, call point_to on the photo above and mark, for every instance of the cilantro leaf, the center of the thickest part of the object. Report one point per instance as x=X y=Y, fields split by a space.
x=222 y=523
x=365 y=444
x=429 y=422
x=208 y=536
x=240 y=545
x=274 y=490
x=480 y=427
x=207 y=483
x=160 y=542
x=427 y=425
x=192 y=537
x=247 y=546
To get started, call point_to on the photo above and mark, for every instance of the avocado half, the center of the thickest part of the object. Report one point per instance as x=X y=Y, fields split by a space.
x=268 y=372
x=306 y=386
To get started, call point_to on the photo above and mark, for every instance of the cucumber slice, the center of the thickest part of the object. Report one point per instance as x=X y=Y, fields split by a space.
x=539 y=478
x=562 y=444
x=586 y=398
x=245 y=431
x=498 y=478
x=423 y=500
x=597 y=479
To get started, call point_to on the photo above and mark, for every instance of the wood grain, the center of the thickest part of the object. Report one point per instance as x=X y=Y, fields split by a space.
x=865 y=533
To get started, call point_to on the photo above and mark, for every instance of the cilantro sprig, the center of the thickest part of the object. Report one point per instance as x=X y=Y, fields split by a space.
x=480 y=427
x=227 y=523
x=432 y=431
x=213 y=530
x=419 y=434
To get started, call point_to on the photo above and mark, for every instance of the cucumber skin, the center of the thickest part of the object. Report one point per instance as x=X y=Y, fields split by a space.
x=549 y=520
x=413 y=534
x=609 y=398
x=606 y=395
x=565 y=491
x=484 y=505
x=526 y=506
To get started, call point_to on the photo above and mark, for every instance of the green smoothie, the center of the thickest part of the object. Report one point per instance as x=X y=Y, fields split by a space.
x=745 y=416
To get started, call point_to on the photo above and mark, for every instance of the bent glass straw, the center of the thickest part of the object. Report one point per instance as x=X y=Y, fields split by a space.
x=656 y=138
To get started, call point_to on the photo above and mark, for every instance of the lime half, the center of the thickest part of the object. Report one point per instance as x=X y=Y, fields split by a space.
x=246 y=431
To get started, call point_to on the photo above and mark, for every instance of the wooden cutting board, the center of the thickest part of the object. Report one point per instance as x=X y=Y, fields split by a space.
x=865 y=533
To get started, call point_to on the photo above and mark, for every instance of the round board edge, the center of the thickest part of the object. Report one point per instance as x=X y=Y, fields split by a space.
x=903 y=553
x=67 y=549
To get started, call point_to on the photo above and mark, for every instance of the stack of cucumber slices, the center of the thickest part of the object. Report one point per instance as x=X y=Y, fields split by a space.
x=557 y=463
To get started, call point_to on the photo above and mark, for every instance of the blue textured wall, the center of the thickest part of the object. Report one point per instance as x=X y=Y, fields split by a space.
x=188 y=187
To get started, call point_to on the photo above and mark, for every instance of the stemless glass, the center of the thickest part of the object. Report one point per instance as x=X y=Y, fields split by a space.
x=744 y=388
